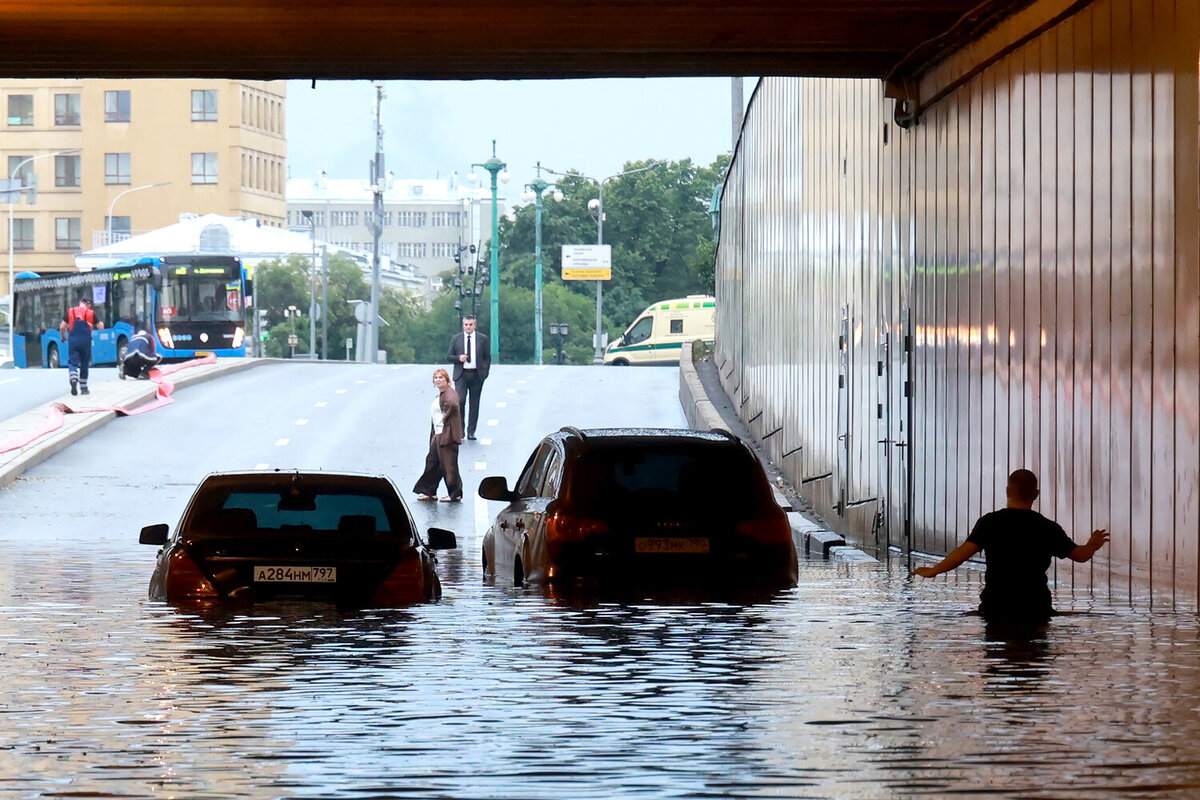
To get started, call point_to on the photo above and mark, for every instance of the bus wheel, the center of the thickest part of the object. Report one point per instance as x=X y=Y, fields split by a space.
x=620 y=362
x=52 y=357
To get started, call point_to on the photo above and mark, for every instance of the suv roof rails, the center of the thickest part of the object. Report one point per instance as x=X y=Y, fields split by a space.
x=724 y=433
x=574 y=431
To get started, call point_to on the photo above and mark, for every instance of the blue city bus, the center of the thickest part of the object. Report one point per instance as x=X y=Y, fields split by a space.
x=194 y=305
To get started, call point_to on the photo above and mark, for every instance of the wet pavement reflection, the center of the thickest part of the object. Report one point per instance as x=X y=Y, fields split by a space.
x=854 y=684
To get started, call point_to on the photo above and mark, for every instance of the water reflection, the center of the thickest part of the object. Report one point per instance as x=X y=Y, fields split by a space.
x=850 y=685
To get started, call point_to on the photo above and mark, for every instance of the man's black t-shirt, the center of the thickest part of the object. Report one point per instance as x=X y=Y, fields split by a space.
x=1018 y=544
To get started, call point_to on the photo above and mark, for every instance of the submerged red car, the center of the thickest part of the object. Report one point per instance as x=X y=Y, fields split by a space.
x=340 y=537
x=657 y=505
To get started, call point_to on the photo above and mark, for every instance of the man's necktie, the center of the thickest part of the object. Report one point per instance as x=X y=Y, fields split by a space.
x=468 y=338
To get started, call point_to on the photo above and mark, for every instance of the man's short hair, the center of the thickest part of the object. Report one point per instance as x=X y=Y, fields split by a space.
x=1024 y=484
x=468 y=316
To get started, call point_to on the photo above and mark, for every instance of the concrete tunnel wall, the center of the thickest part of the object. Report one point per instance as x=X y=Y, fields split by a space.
x=906 y=314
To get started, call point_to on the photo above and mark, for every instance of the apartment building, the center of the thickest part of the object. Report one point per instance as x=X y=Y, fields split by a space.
x=426 y=223
x=114 y=158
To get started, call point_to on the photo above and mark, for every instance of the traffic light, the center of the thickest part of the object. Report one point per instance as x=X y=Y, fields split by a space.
x=263 y=322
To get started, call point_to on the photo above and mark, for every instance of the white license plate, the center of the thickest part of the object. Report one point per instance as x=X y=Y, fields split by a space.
x=295 y=574
x=670 y=544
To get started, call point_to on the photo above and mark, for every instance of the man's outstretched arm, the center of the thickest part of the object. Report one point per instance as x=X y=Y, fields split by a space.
x=955 y=557
x=1084 y=552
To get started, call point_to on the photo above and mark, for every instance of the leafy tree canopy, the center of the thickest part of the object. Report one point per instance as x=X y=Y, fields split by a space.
x=657 y=222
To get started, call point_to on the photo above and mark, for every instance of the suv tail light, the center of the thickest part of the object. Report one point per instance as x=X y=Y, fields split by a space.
x=766 y=530
x=563 y=528
x=403 y=585
x=185 y=580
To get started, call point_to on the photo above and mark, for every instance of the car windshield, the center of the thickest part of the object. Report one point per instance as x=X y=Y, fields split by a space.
x=265 y=511
x=688 y=476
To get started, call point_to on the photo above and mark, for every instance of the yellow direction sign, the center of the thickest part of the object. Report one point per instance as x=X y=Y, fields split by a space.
x=586 y=262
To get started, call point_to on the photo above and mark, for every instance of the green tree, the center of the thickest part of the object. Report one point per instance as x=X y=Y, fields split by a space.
x=658 y=223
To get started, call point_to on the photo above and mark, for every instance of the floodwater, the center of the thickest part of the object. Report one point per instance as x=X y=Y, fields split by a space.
x=858 y=683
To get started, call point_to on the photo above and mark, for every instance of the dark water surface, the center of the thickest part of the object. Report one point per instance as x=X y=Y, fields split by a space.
x=858 y=683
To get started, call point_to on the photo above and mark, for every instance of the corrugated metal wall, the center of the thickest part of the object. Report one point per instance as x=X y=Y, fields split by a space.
x=1033 y=240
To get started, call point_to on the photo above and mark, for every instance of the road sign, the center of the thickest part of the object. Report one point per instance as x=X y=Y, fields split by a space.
x=293 y=340
x=587 y=262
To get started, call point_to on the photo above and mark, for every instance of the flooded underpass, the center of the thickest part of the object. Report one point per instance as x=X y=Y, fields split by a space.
x=857 y=683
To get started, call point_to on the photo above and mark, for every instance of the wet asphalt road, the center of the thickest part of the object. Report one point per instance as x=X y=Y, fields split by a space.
x=857 y=683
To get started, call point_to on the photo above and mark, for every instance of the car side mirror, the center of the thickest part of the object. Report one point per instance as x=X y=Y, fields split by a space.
x=154 y=534
x=496 y=488
x=440 y=539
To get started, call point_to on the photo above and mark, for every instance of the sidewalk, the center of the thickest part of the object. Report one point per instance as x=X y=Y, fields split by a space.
x=127 y=394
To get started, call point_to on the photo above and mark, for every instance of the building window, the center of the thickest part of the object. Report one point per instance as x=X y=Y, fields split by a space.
x=410 y=219
x=215 y=238
x=446 y=219
x=22 y=234
x=343 y=218
x=25 y=173
x=66 y=170
x=204 y=105
x=66 y=233
x=116 y=106
x=20 y=109
x=412 y=249
x=119 y=227
x=66 y=109
x=204 y=167
x=116 y=169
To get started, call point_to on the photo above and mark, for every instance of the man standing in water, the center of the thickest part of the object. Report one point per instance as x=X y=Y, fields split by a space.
x=1017 y=543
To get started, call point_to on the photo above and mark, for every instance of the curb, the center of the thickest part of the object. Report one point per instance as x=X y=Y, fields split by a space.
x=76 y=426
x=809 y=538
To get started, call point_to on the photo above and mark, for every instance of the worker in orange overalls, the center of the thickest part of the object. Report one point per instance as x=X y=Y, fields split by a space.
x=76 y=331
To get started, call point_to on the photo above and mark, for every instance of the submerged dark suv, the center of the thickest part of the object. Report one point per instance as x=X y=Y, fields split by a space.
x=623 y=503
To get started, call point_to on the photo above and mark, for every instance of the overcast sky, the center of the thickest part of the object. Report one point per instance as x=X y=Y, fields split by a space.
x=434 y=128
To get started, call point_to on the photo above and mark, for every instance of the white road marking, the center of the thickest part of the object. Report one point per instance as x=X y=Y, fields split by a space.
x=282 y=442
x=10 y=380
x=301 y=422
x=501 y=405
x=321 y=404
x=480 y=465
x=512 y=391
x=340 y=391
x=262 y=466
x=520 y=381
x=360 y=381
x=493 y=422
x=485 y=441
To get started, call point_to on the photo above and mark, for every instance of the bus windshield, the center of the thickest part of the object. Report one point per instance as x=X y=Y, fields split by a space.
x=200 y=294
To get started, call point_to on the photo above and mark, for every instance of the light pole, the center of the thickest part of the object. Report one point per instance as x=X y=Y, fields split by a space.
x=292 y=312
x=112 y=205
x=535 y=190
x=559 y=331
x=12 y=289
x=468 y=269
x=596 y=207
x=312 y=286
x=497 y=169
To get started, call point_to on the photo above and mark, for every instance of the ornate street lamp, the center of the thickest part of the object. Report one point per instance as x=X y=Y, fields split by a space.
x=497 y=169
x=560 y=330
x=467 y=283
x=535 y=190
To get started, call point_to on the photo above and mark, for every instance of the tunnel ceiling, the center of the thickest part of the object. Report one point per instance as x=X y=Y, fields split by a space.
x=470 y=39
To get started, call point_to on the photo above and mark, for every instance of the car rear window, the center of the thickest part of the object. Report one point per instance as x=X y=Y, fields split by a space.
x=344 y=512
x=692 y=476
